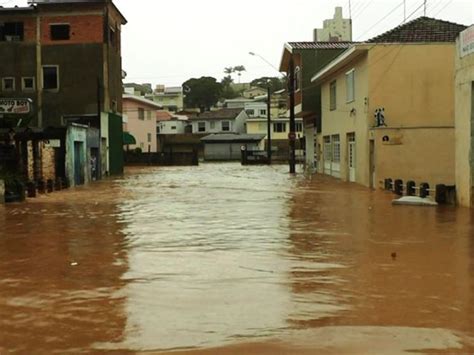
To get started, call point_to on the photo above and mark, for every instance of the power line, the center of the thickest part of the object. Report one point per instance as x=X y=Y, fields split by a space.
x=444 y=7
x=382 y=19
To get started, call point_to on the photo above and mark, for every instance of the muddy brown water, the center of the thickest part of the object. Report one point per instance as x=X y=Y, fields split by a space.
x=224 y=259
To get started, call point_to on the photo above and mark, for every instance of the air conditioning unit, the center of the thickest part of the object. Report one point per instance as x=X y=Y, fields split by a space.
x=12 y=38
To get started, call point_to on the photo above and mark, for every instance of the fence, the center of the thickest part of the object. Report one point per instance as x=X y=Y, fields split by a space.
x=162 y=159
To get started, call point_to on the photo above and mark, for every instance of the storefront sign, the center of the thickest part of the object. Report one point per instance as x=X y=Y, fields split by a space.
x=467 y=42
x=15 y=106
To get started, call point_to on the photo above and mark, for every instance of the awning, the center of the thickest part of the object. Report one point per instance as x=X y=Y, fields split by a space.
x=128 y=139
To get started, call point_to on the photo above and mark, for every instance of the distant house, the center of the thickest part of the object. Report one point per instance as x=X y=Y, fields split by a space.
x=225 y=120
x=141 y=121
x=388 y=107
x=239 y=102
x=168 y=123
x=171 y=98
x=254 y=92
x=222 y=147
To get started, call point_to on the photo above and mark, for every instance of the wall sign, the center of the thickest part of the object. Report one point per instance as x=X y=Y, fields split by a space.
x=15 y=106
x=466 y=42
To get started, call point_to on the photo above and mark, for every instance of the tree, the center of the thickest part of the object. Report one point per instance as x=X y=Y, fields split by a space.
x=202 y=93
x=228 y=70
x=239 y=69
x=227 y=91
x=275 y=83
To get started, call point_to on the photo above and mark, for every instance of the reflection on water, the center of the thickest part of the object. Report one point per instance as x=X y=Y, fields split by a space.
x=210 y=256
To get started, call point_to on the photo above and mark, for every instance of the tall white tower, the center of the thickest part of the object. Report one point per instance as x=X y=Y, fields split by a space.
x=337 y=29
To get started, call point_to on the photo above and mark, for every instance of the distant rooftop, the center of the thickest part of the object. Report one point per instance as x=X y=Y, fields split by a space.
x=422 y=29
x=232 y=138
x=223 y=114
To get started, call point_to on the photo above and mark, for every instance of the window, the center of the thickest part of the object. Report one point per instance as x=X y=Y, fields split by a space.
x=299 y=127
x=201 y=126
x=28 y=84
x=50 y=77
x=11 y=31
x=148 y=115
x=212 y=125
x=8 y=84
x=141 y=114
x=279 y=127
x=250 y=112
x=336 y=149
x=225 y=126
x=327 y=149
x=149 y=137
x=173 y=128
x=350 y=86
x=263 y=112
x=332 y=96
x=297 y=78
x=60 y=32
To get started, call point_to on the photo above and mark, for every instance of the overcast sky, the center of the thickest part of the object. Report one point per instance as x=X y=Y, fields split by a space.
x=171 y=41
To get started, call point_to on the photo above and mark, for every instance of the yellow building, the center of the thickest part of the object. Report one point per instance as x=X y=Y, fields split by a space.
x=464 y=105
x=388 y=107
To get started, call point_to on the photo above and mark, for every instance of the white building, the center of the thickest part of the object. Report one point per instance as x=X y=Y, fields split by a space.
x=225 y=120
x=337 y=29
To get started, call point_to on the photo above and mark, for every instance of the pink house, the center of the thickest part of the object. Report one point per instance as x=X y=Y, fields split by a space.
x=140 y=122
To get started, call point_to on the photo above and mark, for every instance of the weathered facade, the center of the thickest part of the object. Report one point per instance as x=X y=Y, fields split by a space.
x=464 y=112
x=66 y=58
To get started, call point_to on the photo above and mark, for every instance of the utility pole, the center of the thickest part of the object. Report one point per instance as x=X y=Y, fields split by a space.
x=269 y=124
x=424 y=11
x=350 y=10
x=292 y=134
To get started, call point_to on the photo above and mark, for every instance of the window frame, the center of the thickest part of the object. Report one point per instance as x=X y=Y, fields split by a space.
x=336 y=148
x=229 y=126
x=4 y=89
x=333 y=95
x=350 y=86
x=57 y=77
x=202 y=125
x=52 y=25
x=279 y=124
x=141 y=114
x=24 y=88
x=18 y=33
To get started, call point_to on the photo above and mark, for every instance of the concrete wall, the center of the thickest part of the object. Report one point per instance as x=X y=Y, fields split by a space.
x=415 y=85
x=421 y=155
x=226 y=151
x=464 y=113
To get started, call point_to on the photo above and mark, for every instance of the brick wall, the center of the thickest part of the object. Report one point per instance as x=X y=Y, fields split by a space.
x=48 y=163
x=84 y=29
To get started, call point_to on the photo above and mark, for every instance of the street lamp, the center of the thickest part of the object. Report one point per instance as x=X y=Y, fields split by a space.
x=291 y=93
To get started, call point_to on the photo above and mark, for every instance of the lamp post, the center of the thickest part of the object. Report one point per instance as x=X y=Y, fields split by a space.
x=291 y=92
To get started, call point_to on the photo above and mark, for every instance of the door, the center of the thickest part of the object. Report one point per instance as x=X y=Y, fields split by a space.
x=352 y=161
x=78 y=163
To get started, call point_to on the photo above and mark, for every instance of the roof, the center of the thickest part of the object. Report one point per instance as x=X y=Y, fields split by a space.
x=163 y=116
x=292 y=46
x=223 y=114
x=142 y=100
x=232 y=138
x=319 y=45
x=422 y=29
x=17 y=8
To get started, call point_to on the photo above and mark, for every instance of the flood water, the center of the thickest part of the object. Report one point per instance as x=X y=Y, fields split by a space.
x=224 y=259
